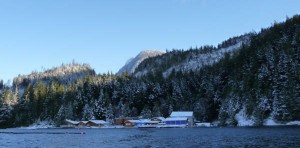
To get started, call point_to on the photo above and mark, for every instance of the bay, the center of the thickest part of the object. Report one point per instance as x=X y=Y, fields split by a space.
x=165 y=137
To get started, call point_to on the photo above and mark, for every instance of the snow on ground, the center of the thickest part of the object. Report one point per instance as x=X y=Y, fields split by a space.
x=293 y=123
x=204 y=124
x=271 y=122
x=39 y=125
x=242 y=119
x=198 y=61
x=116 y=126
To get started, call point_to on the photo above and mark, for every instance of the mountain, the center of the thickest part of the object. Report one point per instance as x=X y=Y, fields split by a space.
x=249 y=80
x=133 y=63
x=193 y=59
x=65 y=73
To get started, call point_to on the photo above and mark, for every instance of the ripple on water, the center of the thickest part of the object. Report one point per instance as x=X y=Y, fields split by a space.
x=197 y=137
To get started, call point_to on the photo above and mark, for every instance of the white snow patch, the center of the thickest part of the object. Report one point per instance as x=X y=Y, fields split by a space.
x=198 y=61
x=293 y=123
x=271 y=122
x=242 y=119
x=141 y=73
x=39 y=125
x=204 y=124
x=110 y=126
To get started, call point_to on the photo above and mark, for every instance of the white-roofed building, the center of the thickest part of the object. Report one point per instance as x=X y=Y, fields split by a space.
x=187 y=115
x=141 y=123
x=179 y=121
x=71 y=123
x=182 y=114
x=83 y=123
x=96 y=123
x=160 y=119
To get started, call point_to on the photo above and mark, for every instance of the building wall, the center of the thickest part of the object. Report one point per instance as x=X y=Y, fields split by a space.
x=176 y=122
x=119 y=121
x=191 y=121
x=129 y=124
x=94 y=124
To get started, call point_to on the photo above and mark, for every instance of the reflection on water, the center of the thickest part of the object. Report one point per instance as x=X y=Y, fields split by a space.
x=171 y=137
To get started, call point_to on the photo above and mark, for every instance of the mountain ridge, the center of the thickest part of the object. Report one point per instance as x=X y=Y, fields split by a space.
x=192 y=59
x=64 y=73
x=133 y=63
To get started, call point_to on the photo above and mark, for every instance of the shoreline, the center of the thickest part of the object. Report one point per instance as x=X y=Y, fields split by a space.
x=167 y=127
x=49 y=126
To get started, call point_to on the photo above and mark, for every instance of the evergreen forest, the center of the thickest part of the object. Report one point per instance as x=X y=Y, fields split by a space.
x=258 y=80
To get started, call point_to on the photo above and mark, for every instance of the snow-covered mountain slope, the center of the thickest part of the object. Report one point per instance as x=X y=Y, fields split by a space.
x=133 y=63
x=193 y=59
x=197 y=61
x=64 y=74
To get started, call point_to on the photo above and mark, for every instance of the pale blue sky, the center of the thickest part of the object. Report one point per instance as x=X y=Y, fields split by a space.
x=105 y=33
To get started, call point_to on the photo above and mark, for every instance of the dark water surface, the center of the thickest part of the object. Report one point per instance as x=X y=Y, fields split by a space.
x=171 y=137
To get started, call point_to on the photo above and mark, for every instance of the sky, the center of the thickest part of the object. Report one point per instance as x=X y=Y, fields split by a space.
x=41 y=34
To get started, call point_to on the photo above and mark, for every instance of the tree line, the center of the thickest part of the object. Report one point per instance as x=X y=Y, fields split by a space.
x=260 y=80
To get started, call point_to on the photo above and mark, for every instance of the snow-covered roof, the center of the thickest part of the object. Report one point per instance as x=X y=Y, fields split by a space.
x=205 y=124
x=177 y=119
x=84 y=122
x=98 y=121
x=72 y=122
x=133 y=121
x=143 y=121
x=182 y=114
x=159 y=118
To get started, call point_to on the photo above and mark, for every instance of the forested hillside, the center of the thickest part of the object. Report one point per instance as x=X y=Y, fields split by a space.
x=257 y=79
x=193 y=59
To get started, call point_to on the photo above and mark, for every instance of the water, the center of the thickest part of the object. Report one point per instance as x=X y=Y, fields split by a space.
x=170 y=137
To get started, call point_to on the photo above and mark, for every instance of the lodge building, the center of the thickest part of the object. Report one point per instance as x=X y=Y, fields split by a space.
x=176 y=119
x=181 y=118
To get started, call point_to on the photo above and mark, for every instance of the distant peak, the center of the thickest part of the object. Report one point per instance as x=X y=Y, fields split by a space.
x=149 y=53
x=152 y=51
x=133 y=63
